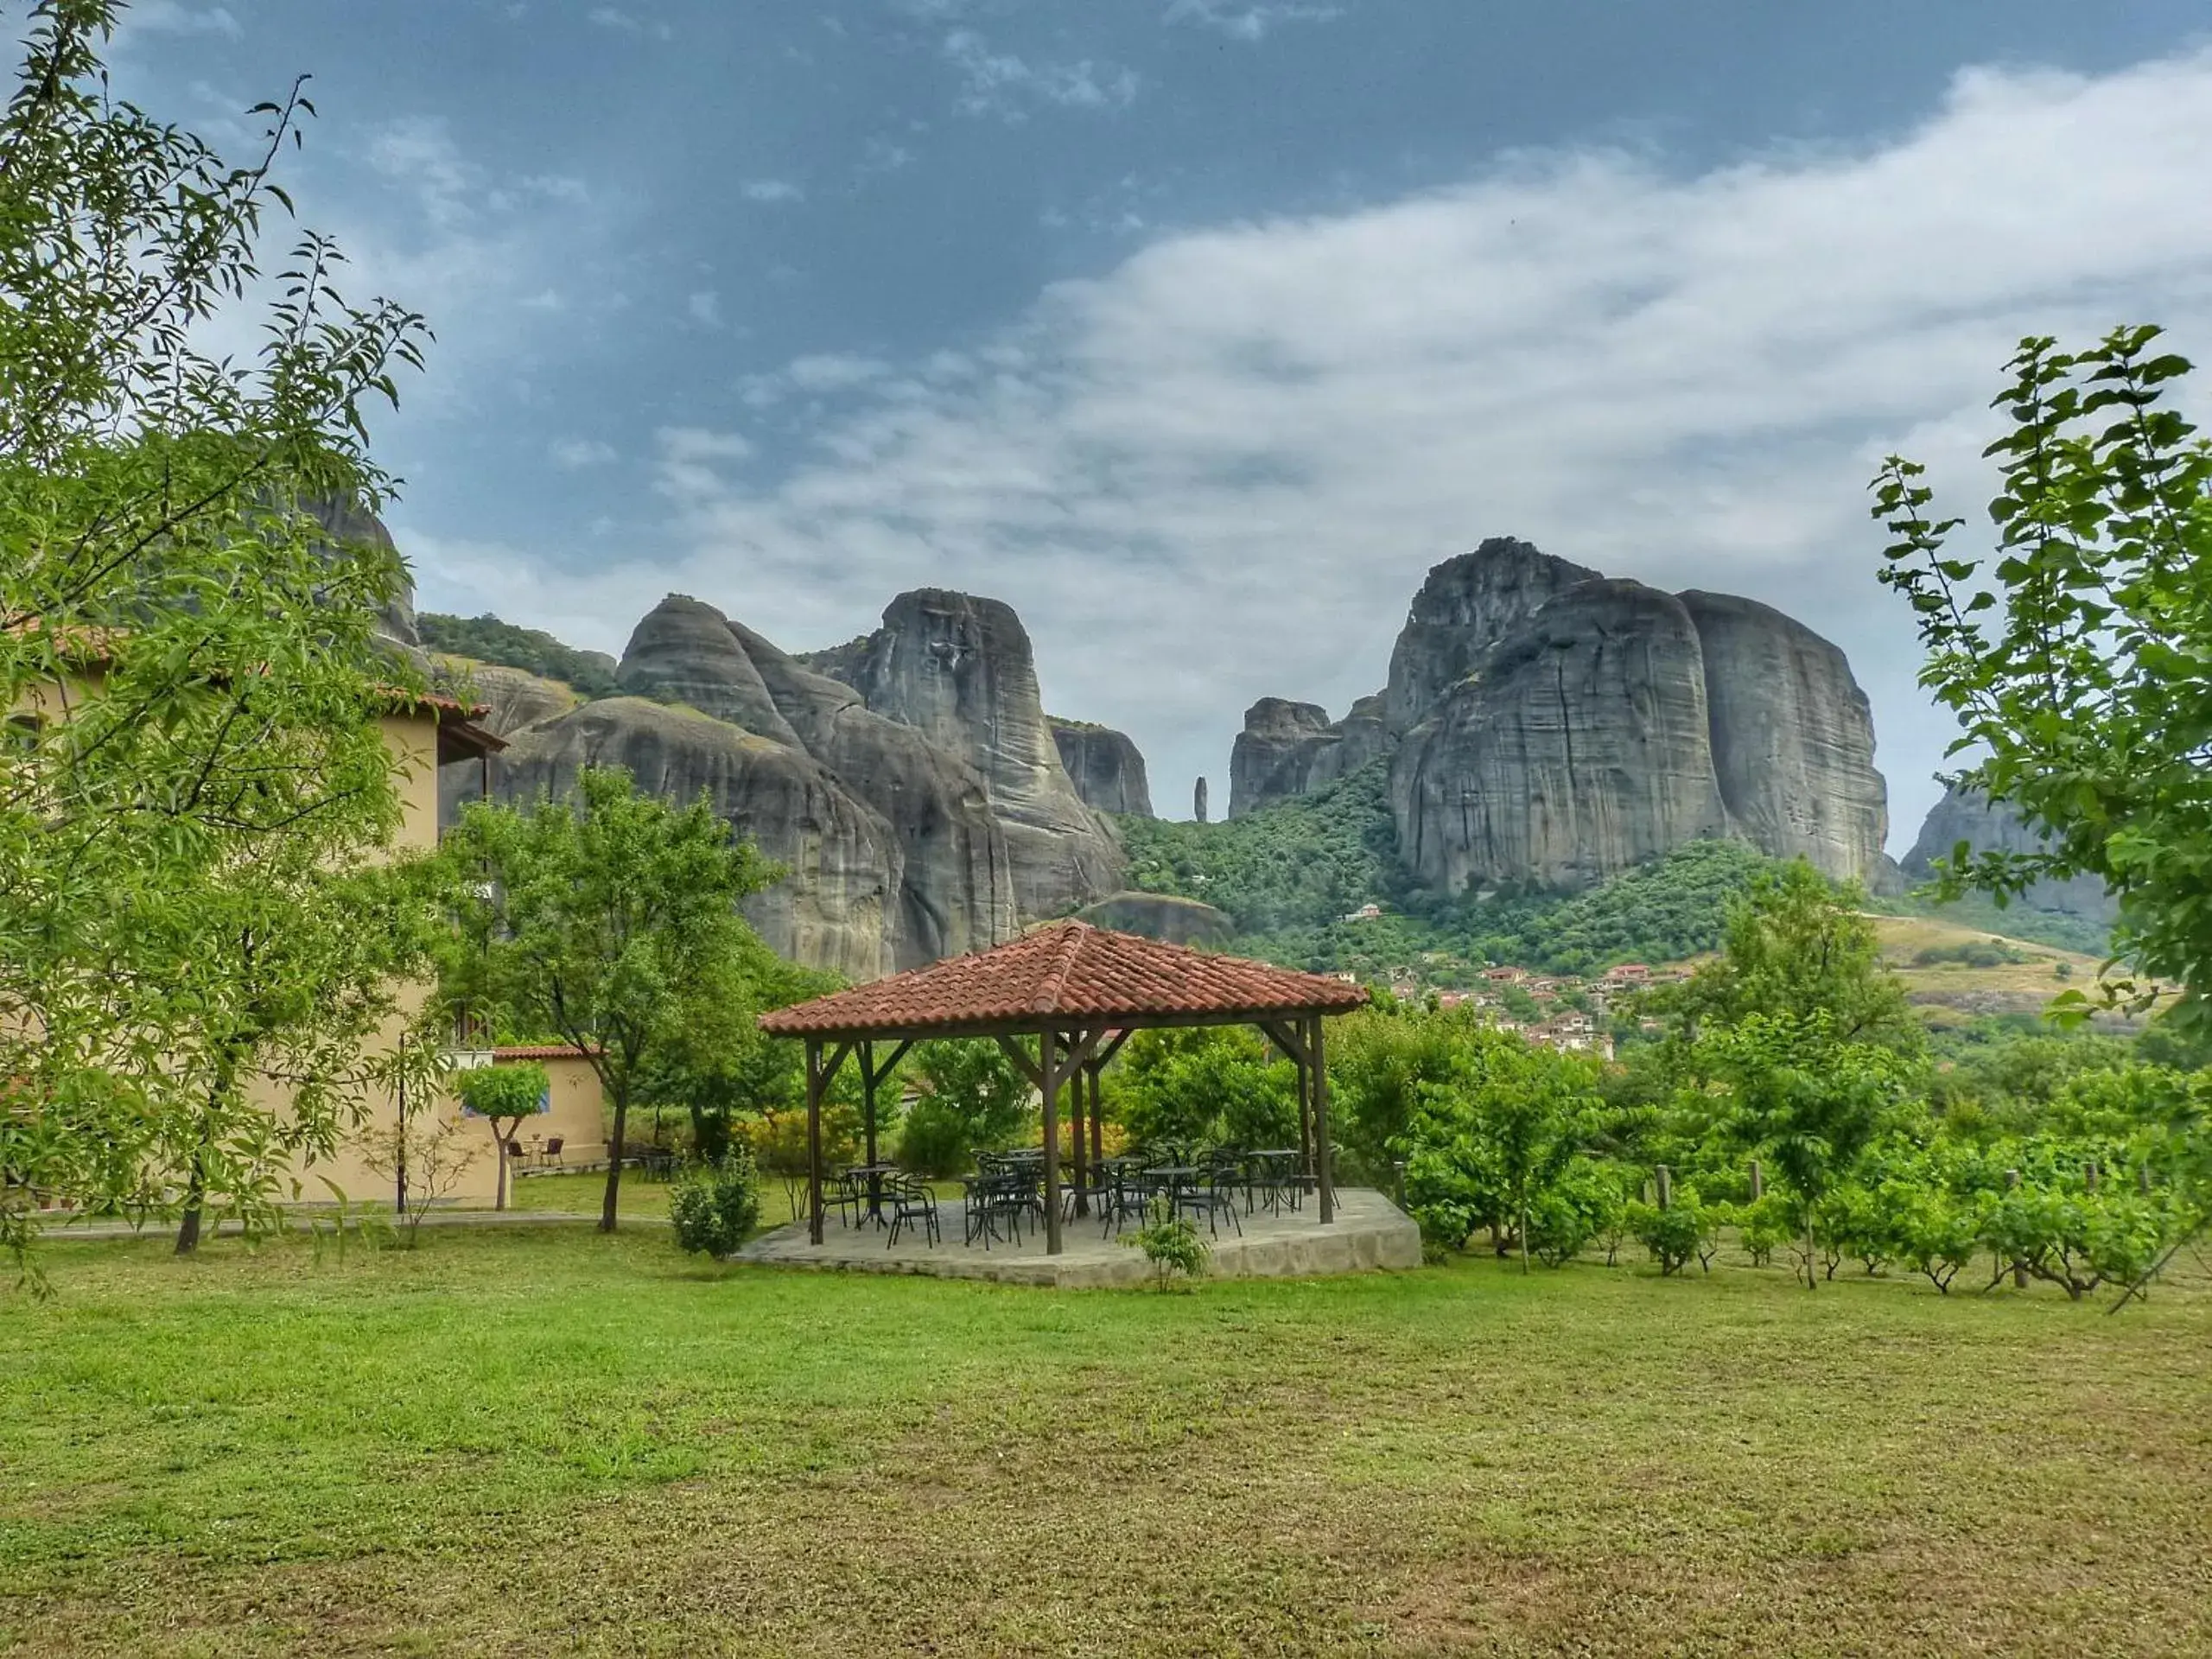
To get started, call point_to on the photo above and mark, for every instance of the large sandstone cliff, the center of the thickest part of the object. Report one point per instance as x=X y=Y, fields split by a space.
x=1548 y=726
x=1104 y=766
x=1965 y=816
x=935 y=823
x=960 y=670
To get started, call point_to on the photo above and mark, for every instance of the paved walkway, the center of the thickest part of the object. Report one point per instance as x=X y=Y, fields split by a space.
x=1369 y=1233
x=298 y=1221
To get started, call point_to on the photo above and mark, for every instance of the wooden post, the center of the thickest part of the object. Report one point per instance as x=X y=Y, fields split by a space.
x=1305 y=1112
x=1758 y=1182
x=2019 y=1268
x=1666 y=1178
x=1098 y=1138
x=2090 y=1175
x=867 y=1096
x=1326 y=1177
x=814 y=1141
x=1049 y=1056
x=1075 y=1125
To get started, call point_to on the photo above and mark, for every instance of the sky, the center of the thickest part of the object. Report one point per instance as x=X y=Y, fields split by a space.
x=1198 y=330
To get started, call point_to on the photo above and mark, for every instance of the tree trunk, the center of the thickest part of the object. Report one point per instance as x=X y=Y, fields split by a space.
x=1524 y=1235
x=187 y=1227
x=1812 y=1252
x=614 y=1162
x=499 y=1147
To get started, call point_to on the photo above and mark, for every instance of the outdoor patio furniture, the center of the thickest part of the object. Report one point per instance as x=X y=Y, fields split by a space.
x=1212 y=1195
x=1127 y=1198
x=847 y=1196
x=551 y=1158
x=910 y=1203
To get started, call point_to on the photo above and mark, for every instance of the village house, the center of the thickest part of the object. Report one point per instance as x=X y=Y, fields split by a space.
x=422 y=732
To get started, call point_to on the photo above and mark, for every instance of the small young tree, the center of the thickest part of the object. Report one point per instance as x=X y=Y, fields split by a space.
x=1805 y=1100
x=434 y=1151
x=2080 y=664
x=502 y=1096
x=599 y=918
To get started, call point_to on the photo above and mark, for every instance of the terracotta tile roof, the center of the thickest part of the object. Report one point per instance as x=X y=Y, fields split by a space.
x=540 y=1052
x=1068 y=974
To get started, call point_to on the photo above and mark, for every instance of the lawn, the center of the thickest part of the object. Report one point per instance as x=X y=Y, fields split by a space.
x=540 y=1442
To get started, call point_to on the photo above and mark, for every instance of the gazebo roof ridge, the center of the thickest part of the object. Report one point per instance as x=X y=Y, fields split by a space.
x=1067 y=973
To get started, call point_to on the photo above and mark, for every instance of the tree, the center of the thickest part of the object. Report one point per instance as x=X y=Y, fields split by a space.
x=604 y=920
x=271 y=981
x=2079 y=664
x=1796 y=945
x=1379 y=1063
x=188 y=657
x=1803 y=1099
x=502 y=1096
x=1205 y=1084
x=977 y=1088
x=1502 y=1131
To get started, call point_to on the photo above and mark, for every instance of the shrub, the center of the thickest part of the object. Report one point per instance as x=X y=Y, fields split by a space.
x=1763 y=1225
x=715 y=1206
x=1171 y=1244
x=1682 y=1232
x=937 y=1138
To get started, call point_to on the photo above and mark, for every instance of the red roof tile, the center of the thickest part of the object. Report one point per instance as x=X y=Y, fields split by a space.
x=540 y=1052
x=1068 y=974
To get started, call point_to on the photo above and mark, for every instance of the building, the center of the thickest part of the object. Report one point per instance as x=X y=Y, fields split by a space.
x=422 y=734
x=1366 y=914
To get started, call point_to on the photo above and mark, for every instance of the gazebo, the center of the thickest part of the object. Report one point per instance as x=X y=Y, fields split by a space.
x=1079 y=991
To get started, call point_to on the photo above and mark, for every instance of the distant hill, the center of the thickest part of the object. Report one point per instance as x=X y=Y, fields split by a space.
x=1292 y=876
x=488 y=640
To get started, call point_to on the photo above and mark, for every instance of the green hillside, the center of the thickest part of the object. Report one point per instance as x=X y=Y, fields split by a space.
x=488 y=640
x=1290 y=875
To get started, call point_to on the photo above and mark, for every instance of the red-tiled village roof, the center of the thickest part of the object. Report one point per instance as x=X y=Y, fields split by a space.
x=1067 y=975
x=540 y=1052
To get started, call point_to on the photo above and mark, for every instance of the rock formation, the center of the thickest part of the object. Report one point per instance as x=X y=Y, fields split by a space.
x=933 y=823
x=1793 y=738
x=1161 y=916
x=839 y=907
x=1550 y=726
x=1199 y=802
x=1292 y=748
x=1579 y=748
x=1104 y=766
x=960 y=670
x=1962 y=815
x=1466 y=606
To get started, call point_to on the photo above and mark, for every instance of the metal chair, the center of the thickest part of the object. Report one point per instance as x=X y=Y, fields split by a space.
x=909 y=1201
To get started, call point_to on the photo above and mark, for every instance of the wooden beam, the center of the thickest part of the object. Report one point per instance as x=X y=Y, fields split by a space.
x=892 y=1065
x=1047 y=1043
x=1284 y=1037
x=1097 y=1137
x=1022 y=1062
x=1114 y=1046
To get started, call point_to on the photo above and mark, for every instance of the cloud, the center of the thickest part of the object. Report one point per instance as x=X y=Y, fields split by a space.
x=575 y=454
x=704 y=308
x=1250 y=22
x=626 y=22
x=1002 y=85
x=772 y=190
x=1219 y=469
x=172 y=17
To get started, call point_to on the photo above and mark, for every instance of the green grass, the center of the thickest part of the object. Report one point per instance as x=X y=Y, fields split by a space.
x=526 y=1442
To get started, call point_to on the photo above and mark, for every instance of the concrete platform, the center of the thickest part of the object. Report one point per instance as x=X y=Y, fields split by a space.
x=1369 y=1233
